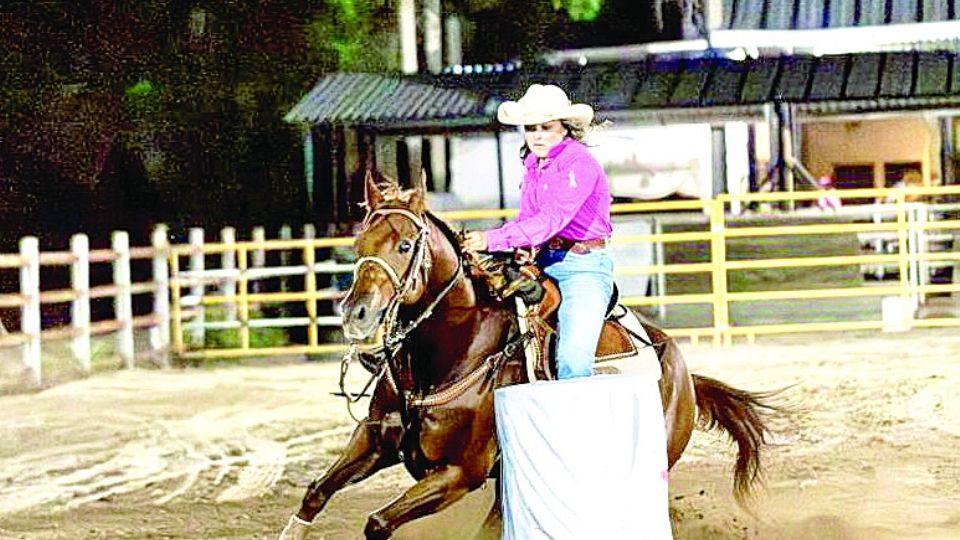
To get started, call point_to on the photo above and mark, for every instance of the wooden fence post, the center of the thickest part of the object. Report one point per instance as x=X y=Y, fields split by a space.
x=198 y=289
x=160 y=332
x=258 y=259
x=30 y=312
x=123 y=300
x=228 y=261
x=80 y=309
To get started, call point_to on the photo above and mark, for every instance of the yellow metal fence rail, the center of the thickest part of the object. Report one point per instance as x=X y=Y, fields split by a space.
x=720 y=227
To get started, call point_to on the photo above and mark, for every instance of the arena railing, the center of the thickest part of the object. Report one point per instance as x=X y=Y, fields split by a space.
x=243 y=288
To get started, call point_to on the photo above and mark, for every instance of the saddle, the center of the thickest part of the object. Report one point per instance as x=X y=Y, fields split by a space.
x=615 y=342
x=537 y=298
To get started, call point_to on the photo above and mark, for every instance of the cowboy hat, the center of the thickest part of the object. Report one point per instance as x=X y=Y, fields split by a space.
x=543 y=103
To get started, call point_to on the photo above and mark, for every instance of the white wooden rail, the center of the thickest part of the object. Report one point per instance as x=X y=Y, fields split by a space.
x=81 y=328
x=198 y=280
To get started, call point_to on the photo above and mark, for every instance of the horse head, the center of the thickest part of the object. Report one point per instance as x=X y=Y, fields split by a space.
x=393 y=257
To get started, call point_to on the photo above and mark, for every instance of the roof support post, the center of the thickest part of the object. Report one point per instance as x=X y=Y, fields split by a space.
x=718 y=146
x=308 y=166
x=784 y=113
x=403 y=162
x=771 y=177
x=947 y=151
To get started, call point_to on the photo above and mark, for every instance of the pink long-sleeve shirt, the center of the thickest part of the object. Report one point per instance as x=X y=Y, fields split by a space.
x=566 y=195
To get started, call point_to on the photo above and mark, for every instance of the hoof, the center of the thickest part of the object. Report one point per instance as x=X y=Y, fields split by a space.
x=296 y=529
x=376 y=529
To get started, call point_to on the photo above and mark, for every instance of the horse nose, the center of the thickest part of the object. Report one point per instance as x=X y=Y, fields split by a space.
x=360 y=316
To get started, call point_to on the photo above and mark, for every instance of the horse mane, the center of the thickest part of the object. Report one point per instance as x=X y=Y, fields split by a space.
x=446 y=231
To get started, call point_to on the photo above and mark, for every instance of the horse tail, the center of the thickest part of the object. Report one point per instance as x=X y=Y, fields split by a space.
x=742 y=415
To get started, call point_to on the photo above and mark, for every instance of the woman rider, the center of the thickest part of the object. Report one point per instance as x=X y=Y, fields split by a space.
x=565 y=214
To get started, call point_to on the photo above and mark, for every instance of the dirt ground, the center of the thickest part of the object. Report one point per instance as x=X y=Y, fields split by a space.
x=871 y=452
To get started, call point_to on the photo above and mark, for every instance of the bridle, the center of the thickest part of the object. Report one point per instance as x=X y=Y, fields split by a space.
x=420 y=263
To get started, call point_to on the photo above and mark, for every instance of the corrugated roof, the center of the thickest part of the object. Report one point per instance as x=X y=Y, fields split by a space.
x=358 y=99
x=813 y=14
x=658 y=89
x=876 y=81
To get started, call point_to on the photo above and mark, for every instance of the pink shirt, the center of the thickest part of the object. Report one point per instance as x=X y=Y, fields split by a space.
x=567 y=195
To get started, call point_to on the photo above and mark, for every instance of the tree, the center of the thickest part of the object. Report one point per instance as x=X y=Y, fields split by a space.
x=354 y=35
x=580 y=10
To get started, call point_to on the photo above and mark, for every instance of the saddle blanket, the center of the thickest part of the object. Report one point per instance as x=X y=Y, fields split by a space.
x=583 y=458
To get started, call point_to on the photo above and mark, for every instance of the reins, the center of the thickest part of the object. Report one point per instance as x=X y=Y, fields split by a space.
x=395 y=333
x=453 y=390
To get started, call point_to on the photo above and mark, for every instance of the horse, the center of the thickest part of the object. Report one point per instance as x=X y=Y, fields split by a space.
x=449 y=343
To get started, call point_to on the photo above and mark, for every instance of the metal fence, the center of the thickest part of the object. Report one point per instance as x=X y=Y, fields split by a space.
x=217 y=299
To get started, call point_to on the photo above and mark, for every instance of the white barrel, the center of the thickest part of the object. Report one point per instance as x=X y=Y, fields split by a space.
x=583 y=458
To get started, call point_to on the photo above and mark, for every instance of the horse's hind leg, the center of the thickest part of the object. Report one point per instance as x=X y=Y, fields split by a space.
x=437 y=491
x=365 y=454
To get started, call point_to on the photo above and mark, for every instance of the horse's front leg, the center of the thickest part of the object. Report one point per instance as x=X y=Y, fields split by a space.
x=371 y=448
x=492 y=527
x=437 y=491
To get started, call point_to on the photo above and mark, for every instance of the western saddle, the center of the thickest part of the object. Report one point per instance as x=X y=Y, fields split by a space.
x=537 y=298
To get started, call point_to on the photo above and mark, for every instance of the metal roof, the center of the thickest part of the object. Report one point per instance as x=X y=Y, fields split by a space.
x=812 y=14
x=382 y=101
x=821 y=84
x=655 y=90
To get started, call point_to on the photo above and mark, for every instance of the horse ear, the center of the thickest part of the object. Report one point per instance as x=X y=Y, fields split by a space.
x=418 y=203
x=372 y=193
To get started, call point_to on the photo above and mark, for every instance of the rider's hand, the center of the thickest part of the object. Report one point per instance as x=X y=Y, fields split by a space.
x=475 y=241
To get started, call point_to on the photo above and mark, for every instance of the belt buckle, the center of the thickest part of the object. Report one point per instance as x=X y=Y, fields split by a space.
x=555 y=243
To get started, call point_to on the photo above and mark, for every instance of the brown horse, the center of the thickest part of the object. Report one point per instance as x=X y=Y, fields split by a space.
x=449 y=345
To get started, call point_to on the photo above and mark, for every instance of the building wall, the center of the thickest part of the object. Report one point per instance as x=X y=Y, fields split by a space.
x=473 y=175
x=650 y=163
x=641 y=163
x=878 y=141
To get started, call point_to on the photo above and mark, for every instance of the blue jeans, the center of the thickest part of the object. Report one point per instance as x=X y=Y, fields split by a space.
x=586 y=283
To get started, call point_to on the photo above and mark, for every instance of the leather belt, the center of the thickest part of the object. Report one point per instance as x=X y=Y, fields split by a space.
x=577 y=246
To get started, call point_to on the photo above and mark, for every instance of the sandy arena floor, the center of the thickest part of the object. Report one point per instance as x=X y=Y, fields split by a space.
x=873 y=451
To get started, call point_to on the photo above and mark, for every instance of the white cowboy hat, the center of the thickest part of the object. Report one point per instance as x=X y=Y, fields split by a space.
x=543 y=103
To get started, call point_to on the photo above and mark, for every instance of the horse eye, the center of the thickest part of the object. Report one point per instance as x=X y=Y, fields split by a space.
x=405 y=246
